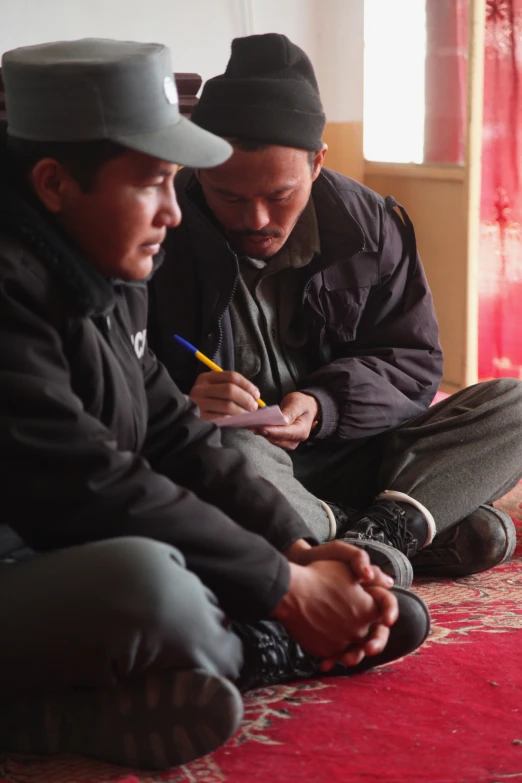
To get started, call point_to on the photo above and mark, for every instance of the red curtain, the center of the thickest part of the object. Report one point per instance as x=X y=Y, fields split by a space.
x=445 y=80
x=500 y=278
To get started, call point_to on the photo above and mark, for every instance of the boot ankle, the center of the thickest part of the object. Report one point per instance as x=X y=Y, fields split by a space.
x=271 y=656
x=416 y=523
x=398 y=525
x=405 y=501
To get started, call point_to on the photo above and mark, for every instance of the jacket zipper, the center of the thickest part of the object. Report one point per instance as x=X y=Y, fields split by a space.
x=220 y=318
x=107 y=331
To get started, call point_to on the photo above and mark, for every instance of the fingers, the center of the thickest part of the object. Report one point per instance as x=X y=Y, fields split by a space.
x=224 y=394
x=287 y=437
x=356 y=558
x=299 y=405
x=377 y=640
x=378 y=579
x=373 y=645
x=287 y=445
x=300 y=411
x=350 y=657
x=386 y=603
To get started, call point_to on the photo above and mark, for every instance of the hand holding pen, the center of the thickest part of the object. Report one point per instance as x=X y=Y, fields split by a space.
x=228 y=393
x=222 y=392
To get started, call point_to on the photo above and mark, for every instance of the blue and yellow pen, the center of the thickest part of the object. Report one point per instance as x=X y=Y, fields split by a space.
x=202 y=358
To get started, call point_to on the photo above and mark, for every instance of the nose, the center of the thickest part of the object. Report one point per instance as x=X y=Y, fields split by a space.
x=256 y=216
x=169 y=213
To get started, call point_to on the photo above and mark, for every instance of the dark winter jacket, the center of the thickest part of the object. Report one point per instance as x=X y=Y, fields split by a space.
x=372 y=331
x=96 y=441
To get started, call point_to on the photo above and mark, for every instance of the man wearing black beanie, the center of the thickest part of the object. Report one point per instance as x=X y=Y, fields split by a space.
x=307 y=289
x=268 y=93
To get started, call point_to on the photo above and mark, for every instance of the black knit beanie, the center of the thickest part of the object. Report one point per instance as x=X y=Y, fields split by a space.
x=268 y=94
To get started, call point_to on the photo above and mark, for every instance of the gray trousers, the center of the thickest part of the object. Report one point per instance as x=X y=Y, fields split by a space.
x=460 y=453
x=106 y=613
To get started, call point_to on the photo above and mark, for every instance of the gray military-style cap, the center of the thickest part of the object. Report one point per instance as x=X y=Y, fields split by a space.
x=98 y=88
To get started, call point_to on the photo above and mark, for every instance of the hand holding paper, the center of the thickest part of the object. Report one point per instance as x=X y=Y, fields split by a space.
x=264 y=417
x=301 y=411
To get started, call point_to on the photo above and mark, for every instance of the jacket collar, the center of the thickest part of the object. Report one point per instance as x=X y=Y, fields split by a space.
x=340 y=233
x=215 y=261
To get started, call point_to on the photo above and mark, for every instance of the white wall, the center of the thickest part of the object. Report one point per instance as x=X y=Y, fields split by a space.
x=199 y=33
x=340 y=59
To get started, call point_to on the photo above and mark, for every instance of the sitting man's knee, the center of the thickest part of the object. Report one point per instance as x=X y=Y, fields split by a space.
x=511 y=387
x=145 y=579
x=147 y=587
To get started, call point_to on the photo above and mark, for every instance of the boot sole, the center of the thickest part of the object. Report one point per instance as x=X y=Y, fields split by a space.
x=392 y=561
x=160 y=722
x=510 y=531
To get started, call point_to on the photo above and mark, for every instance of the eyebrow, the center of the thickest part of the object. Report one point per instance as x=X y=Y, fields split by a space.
x=285 y=189
x=156 y=171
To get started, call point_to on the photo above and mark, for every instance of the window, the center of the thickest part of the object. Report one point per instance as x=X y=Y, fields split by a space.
x=415 y=73
x=394 y=80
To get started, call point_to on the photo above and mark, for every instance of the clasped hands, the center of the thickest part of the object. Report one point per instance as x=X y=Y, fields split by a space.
x=338 y=606
x=229 y=393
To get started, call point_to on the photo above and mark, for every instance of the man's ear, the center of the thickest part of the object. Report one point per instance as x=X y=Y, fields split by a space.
x=51 y=182
x=319 y=160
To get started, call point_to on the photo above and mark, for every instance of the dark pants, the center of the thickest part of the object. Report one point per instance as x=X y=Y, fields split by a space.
x=460 y=453
x=108 y=612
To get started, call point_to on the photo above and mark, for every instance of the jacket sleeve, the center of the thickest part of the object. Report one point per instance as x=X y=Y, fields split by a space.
x=66 y=482
x=392 y=368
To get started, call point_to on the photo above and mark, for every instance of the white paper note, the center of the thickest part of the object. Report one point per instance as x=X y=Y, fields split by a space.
x=269 y=416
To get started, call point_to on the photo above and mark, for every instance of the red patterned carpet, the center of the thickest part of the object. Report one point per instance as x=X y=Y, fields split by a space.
x=451 y=713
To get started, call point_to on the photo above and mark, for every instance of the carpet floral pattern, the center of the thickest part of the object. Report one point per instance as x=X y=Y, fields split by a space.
x=450 y=713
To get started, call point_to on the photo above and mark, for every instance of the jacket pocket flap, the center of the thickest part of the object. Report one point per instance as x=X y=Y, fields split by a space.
x=361 y=271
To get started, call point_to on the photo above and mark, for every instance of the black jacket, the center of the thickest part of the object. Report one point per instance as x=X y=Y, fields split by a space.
x=373 y=335
x=96 y=441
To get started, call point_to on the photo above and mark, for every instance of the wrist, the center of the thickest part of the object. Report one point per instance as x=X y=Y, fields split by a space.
x=315 y=409
x=313 y=406
x=296 y=552
x=287 y=604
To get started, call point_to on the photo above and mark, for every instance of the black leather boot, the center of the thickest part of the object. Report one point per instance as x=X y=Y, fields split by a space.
x=397 y=524
x=479 y=542
x=389 y=560
x=273 y=657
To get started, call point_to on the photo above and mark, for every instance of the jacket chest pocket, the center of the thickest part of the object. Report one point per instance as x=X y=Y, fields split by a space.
x=345 y=290
x=343 y=309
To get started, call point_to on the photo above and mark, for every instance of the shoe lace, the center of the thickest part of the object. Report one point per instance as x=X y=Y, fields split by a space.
x=386 y=522
x=271 y=656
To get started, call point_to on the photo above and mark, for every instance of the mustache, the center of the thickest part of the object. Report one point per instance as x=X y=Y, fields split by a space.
x=263 y=232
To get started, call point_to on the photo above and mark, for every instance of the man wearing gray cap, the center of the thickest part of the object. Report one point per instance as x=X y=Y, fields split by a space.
x=307 y=289
x=143 y=577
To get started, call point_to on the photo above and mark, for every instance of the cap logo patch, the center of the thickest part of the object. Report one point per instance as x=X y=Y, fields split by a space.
x=169 y=88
